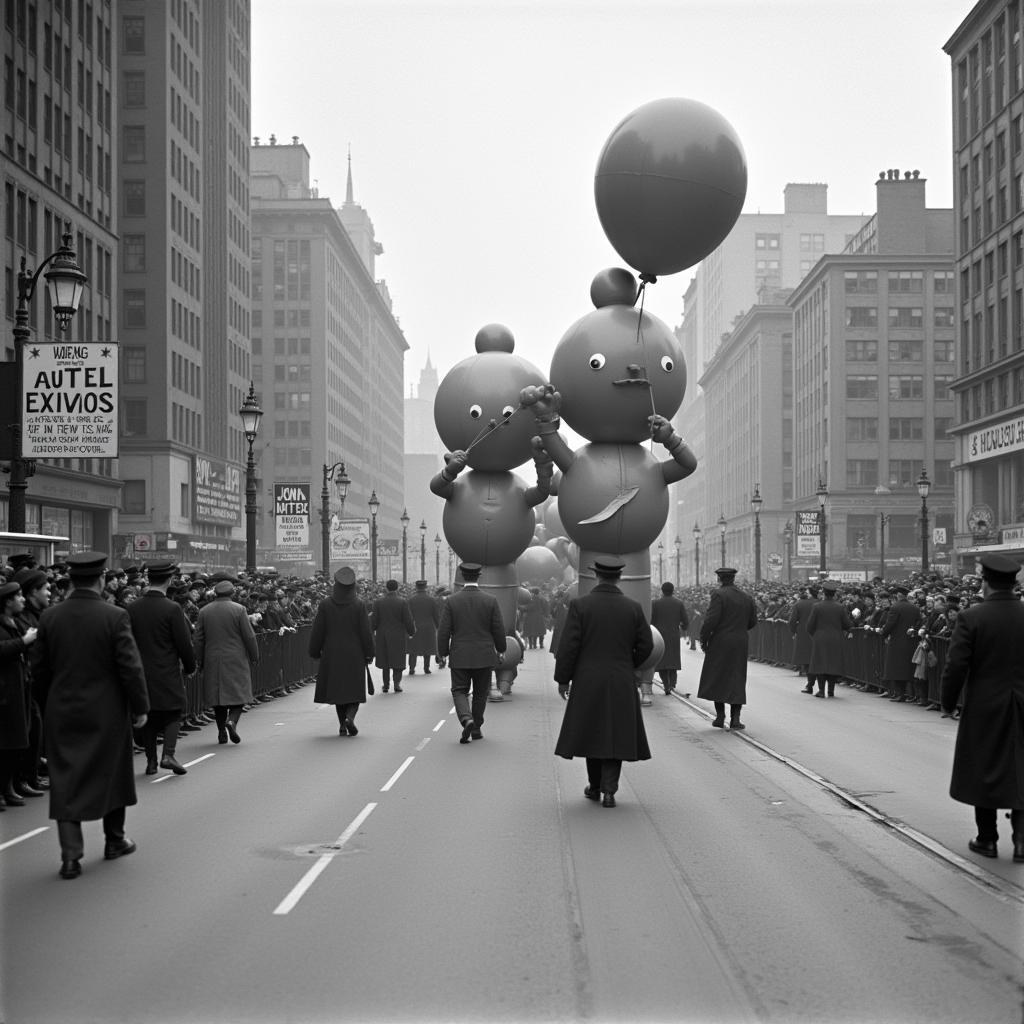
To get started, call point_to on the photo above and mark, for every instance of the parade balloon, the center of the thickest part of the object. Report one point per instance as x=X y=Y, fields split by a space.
x=486 y=519
x=537 y=566
x=494 y=338
x=656 y=655
x=613 y=287
x=552 y=521
x=670 y=184
x=523 y=597
x=512 y=655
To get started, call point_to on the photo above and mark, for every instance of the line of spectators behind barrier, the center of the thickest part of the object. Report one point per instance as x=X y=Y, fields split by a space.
x=772 y=643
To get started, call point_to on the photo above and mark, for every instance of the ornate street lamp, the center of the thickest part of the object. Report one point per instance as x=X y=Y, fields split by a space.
x=756 y=502
x=677 y=543
x=66 y=282
x=404 y=520
x=822 y=493
x=924 y=485
x=423 y=549
x=251 y=414
x=374 y=506
x=696 y=554
x=661 y=561
x=787 y=534
x=722 y=527
x=437 y=559
x=337 y=474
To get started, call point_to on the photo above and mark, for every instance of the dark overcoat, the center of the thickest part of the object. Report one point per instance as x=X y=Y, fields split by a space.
x=226 y=648
x=426 y=616
x=827 y=625
x=164 y=639
x=15 y=699
x=342 y=640
x=392 y=625
x=669 y=618
x=535 y=617
x=472 y=631
x=798 y=629
x=984 y=661
x=604 y=640
x=87 y=665
x=559 y=609
x=899 y=651
x=723 y=635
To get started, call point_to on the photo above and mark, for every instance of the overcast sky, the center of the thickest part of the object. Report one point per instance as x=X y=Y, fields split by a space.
x=475 y=129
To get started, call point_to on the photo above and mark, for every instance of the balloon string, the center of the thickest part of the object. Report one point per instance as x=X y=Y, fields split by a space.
x=642 y=295
x=488 y=429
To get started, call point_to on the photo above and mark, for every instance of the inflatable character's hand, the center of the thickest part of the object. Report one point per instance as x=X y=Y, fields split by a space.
x=544 y=463
x=455 y=463
x=545 y=401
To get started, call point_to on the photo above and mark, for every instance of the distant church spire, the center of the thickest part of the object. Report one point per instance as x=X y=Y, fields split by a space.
x=348 y=186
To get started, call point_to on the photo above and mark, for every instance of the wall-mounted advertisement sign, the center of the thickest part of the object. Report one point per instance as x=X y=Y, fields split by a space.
x=291 y=515
x=808 y=534
x=69 y=401
x=217 y=489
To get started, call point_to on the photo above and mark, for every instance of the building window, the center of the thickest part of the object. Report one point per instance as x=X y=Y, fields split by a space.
x=134 y=193
x=944 y=351
x=764 y=241
x=812 y=243
x=133 y=497
x=133 y=253
x=133 y=35
x=861 y=351
x=134 y=136
x=135 y=307
x=133 y=417
x=133 y=364
x=905 y=472
x=185 y=506
x=862 y=386
x=864 y=317
x=943 y=425
x=906 y=351
x=906 y=429
x=942 y=382
x=861 y=282
x=861 y=472
x=905 y=317
x=134 y=88
x=906 y=386
x=906 y=281
x=942 y=316
x=862 y=428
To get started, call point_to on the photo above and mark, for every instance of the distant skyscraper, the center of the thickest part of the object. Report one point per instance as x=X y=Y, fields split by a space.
x=424 y=457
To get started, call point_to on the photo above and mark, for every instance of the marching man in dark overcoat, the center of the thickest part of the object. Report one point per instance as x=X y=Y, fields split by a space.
x=669 y=618
x=900 y=633
x=392 y=624
x=723 y=639
x=164 y=639
x=426 y=615
x=984 y=663
x=798 y=617
x=342 y=641
x=827 y=626
x=605 y=639
x=86 y=664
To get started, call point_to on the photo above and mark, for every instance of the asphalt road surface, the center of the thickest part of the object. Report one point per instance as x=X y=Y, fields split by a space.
x=812 y=869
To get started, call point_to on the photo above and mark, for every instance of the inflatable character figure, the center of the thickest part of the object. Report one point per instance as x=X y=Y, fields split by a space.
x=488 y=514
x=617 y=378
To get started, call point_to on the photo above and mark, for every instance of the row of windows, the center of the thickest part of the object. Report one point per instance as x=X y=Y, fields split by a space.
x=906 y=428
x=283 y=346
x=865 y=318
x=899 y=351
x=864 y=387
x=284 y=317
x=997 y=394
x=865 y=282
x=292 y=456
x=291 y=428
x=991 y=71
x=901 y=473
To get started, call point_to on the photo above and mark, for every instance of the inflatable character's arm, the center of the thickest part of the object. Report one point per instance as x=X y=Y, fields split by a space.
x=546 y=402
x=545 y=470
x=443 y=485
x=684 y=462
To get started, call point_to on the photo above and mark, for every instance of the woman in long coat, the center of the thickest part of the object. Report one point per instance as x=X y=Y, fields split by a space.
x=14 y=694
x=827 y=625
x=342 y=641
x=226 y=649
x=392 y=625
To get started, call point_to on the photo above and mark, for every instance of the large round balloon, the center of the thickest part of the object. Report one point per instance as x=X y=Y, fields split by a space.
x=537 y=566
x=656 y=655
x=486 y=519
x=669 y=185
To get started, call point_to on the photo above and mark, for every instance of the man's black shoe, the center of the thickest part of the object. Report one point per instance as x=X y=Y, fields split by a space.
x=467 y=730
x=27 y=789
x=168 y=761
x=398 y=689
x=233 y=732
x=350 y=727
x=118 y=848
x=719 y=723
x=70 y=868
x=986 y=847
x=151 y=768
x=592 y=794
x=735 y=723
x=476 y=734
x=608 y=801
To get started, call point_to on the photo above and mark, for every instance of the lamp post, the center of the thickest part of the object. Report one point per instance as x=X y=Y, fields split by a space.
x=661 y=561
x=822 y=493
x=66 y=283
x=722 y=527
x=787 y=534
x=924 y=485
x=677 y=543
x=437 y=559
x=251 y=414
x=341 y=481
x=756 y=501
x=696 y=554
x=404 y=520
x=423 y=548
x=374 y=506
x=883 y=522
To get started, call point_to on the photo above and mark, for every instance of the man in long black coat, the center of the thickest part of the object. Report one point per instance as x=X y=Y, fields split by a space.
x=900 y=633
x=798 y=616
x=669 y=618
x=827 y=625
x=723 y=638
x=164 y=639
x=984 y=662
x=87 y=664
x=604 y=640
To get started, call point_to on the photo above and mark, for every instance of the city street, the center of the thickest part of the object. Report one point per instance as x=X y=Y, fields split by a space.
x=812 y=869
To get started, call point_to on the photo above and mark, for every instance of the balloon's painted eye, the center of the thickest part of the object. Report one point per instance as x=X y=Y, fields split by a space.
x=597 y=361
x=475 y=411
x=506 y=412
x=668 y=364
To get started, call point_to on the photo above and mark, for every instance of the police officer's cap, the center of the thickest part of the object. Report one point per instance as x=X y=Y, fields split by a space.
x=9 y=590
x=830 y=586
x=725 y=573
x=86 y=563
x=471 y=570
x=225 y=587
x=608 y=567
x=164 y=570
x=421 y=584
x=345 y=576
x=998 y=568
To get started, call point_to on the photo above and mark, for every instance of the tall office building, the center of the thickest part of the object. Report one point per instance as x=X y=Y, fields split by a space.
x=58 y=136
x=327 y=350
x=424 y=457
x=987 y=57
x=183 y=113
